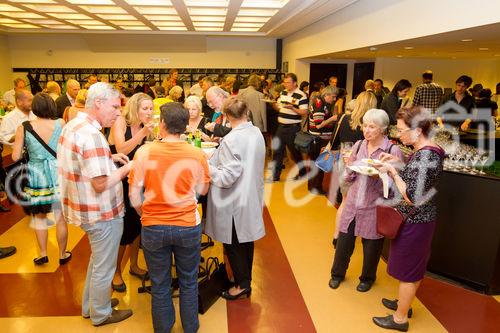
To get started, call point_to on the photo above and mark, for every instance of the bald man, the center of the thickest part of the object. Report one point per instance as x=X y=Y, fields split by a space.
x=68 y=99
x=16 y=117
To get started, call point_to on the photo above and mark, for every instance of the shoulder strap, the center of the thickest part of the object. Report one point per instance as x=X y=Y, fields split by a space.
x=359 y=146
x=29 y=128
x=337 y=129
x=390 y=147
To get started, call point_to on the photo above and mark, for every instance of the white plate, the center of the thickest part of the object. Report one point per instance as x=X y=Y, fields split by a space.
x=364 y=170
x=209 y=145
x=371 y=161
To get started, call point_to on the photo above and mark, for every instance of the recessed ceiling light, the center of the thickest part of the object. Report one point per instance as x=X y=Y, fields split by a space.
x=373 y=48
x=409 y=47
x=497 y=55
x=399 y=56
x=466 y=40
x=484 y=49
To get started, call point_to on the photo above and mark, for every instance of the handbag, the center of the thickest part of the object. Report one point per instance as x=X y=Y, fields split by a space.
x=328 y=157
x=303 y=141
x=212 y=285
x=389 y=220
x=17 y=175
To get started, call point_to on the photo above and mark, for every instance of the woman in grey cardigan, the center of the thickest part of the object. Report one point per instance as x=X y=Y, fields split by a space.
x=236 y=197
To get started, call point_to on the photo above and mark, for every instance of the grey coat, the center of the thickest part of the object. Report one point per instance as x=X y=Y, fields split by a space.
x=237 y=186
x=257 y=106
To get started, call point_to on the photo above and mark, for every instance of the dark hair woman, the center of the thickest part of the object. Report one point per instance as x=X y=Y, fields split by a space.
x=416 y=183
x=394 y=101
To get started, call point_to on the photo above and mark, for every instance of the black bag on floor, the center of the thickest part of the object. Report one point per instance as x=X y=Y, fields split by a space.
x=212 y=285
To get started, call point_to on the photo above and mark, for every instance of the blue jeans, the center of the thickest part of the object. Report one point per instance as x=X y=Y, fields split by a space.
x=104 y=238
x=158 y=243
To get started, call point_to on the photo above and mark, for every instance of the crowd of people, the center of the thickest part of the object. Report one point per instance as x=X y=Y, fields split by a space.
x=119 y=165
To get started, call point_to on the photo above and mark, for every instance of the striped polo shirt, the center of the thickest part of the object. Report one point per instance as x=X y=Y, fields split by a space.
x=298 y=99
x=83 y=153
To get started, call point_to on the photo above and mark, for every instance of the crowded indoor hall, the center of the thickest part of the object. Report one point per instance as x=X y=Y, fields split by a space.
x=249 y=166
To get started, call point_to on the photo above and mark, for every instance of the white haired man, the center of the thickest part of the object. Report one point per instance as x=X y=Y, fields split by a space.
x=68 y=99
x=92 y=196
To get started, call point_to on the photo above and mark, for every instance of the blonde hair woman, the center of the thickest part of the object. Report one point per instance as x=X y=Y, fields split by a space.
x=71 y=111
x=175 y=93
x=128 y=133
x=351 y=130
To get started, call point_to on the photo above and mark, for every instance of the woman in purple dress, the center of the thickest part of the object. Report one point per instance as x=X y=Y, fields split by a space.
x=415 y=183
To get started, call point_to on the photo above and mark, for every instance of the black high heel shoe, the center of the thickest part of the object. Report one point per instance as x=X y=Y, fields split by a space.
x=243 y=294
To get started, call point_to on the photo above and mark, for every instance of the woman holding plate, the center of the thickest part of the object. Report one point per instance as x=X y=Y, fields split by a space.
x=359 y=214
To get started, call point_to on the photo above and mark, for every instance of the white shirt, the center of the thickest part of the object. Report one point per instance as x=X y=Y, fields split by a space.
x=10 y=97
x=11 y=122
x=71 y=99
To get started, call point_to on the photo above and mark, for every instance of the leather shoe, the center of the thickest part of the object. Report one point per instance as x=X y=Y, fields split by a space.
x=116 y=316
x=389 y=323
x=65 y=260
x=393 y=305
x=114 y=303
x=334 y=283
x=7 y=251
x=121 y=288
x=245 y=293
x=364 y=286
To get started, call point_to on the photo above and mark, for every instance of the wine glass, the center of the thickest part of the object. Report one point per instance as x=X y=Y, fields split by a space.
x=346 y=149
x=484 y=157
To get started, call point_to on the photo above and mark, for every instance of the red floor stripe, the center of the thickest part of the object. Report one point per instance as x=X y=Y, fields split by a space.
x=460 y=310
x=8 y=219
x=276 y=304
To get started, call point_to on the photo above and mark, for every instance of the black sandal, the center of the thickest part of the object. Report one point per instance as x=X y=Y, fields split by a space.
x=65 y=260
x=41 y=260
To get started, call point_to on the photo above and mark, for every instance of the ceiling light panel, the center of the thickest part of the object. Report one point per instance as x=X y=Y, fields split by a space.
x=257 y=12
x=60 y=27
x=126 y=22
x=104 y=9
x=9 y=8
x=211 y=3
x=208 y=18
x=124 y=17
x=137 y=27
x=33 y=1
x=91 y=2
x=163 y=17
x=42 y=21
x=51 y=8
x=261 y=19
x=245 y=29
x=263 y=3
x=208 y=24
x=208 y=29
x=149 y=2
x=21 y=26
x=21 y=15
x=6 y=20
x=85 y=22
x=168 y=24
x=207 y=11
x=247 y=25
x=156 y=10
x=70 y=16
x=98 y=27
x=172 y=28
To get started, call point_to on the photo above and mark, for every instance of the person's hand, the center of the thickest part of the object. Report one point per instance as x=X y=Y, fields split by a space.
x=439 y=120
x=288 y=106
x=148 y=128
x=320 y=126
x=120 y=158
x=210 y=126
x=465 y=125
x=388 y=158
x=385 y=168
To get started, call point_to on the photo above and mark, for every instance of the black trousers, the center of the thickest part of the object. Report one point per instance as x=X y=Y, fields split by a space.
x=316 y=182
x=240 y=257
x=372 y=249
x=286 y=136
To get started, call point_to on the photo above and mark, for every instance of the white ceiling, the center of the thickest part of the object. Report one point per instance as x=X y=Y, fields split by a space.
x=482 y=42
x=273 y=18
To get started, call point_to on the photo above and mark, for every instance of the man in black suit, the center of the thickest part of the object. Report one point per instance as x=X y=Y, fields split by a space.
x=68 y=99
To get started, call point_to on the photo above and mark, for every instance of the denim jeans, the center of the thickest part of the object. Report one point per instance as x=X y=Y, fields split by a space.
x=158 y=243
x=104 y=238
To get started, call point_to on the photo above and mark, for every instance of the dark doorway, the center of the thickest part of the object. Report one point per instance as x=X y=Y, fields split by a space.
x=362 y=72
x=322 y=72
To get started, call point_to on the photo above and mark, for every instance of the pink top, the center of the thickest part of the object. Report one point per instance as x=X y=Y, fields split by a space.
x=360 y=204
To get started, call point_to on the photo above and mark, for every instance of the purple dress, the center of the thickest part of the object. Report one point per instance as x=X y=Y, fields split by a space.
x=360 y=204
x=410 y=250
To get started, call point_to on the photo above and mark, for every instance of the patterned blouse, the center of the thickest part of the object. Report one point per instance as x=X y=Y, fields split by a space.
x=421 y=175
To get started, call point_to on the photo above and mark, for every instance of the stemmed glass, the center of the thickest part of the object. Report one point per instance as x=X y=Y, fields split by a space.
x=483 y=159
x=346 y=149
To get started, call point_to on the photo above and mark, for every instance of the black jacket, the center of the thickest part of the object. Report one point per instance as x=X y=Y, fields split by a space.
x=62 y=103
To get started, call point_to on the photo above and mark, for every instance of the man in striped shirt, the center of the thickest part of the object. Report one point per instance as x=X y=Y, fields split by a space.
x=292 y=105
x=92 y=196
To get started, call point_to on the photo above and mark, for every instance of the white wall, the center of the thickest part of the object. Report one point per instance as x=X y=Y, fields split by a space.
x=5 y=66
x=78 y=51
x=368 y=22
x=446 y=71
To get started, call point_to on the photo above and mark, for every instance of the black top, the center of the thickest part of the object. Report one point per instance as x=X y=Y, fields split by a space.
x=346 y=133
x=421 y=176
x=391 y=104
x=62 y=102
x=486 y=103
x=467 y=102
x=201 y=125
x=128 y=136
x=208 y=112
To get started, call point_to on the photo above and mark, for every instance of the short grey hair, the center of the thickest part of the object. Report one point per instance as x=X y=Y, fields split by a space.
x=378 y=117
x=218 y=91
x=102 y=91
x=329 y=90
x=193 y=100
x=175 y=90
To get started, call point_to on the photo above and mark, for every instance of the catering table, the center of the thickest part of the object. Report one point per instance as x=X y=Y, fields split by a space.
x=466 y=244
